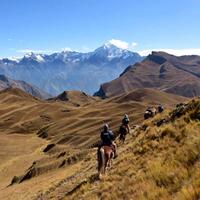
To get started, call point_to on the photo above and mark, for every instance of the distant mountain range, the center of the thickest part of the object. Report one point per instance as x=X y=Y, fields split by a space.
x=8 y=83
x=159 y=70
x=70 y=70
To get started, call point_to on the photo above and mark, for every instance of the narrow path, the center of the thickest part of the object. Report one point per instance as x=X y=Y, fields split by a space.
x=87 y=173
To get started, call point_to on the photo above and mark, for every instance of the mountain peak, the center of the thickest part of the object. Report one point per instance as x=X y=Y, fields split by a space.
x=110 y=45
x=70 y=69
x=118 y=43
x=111 y=51
x=34 y=56
x=160 y=57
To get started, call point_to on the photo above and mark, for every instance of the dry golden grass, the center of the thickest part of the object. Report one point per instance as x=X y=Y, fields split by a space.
x=159 y=163
x=68 y=169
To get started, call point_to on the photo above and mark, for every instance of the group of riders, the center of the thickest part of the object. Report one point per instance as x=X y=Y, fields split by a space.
x=152 y=111
x=108 y=138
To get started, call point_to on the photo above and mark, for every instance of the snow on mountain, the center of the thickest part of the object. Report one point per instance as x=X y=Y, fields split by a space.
x=33 y=56
x=70 y=70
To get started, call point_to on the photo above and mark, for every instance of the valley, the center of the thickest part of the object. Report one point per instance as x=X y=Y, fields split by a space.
x=48 y=146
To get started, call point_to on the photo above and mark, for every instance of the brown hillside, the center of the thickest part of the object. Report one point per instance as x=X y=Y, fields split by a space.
x=178 y=75
x=74 y=97
x=45 y=145
x=161 y=162
x=149 y=96
x=6 y=82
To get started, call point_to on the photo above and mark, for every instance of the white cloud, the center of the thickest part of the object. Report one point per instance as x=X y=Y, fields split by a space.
x=119 y=43
x=133 y=44
x=123 y=44
x=176 y=52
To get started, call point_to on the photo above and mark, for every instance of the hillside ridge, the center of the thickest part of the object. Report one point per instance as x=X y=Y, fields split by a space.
x=159 y=70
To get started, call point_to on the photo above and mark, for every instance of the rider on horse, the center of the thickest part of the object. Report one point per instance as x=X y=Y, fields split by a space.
x=107 y=138
x=125 y=122
x=160 y=108
x=124 y=128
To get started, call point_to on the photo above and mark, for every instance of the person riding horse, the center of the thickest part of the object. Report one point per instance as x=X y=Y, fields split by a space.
x=124 y=128
x=150 y=112
x=107 y=139
x=160 y=108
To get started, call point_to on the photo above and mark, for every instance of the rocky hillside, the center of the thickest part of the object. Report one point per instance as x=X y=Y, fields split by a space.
x=178 y=75
x=6 y=82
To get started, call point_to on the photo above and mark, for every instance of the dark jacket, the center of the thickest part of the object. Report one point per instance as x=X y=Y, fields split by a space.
x=125 y=121
x=107 y=137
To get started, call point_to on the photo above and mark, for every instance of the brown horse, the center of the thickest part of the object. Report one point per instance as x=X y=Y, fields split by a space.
x=105 y=156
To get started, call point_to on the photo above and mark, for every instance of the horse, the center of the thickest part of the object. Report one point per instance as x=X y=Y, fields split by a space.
x=123 y=130
x=154 y=111
x=105 y=157
x=150 y=112
x=160 y=109
x=147 y=114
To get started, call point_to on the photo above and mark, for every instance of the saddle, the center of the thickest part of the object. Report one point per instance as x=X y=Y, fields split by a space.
x=108 y=147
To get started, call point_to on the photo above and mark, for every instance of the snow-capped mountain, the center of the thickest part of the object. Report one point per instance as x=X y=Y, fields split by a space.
x=69 y=70
x=110 y=51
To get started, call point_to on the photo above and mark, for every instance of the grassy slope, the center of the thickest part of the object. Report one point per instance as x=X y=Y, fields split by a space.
x=68 y=165
x=159 y=163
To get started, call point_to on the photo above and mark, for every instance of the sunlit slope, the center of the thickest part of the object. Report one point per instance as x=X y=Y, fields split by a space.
x=45 y=143
x=158 y=161
x=65 y=123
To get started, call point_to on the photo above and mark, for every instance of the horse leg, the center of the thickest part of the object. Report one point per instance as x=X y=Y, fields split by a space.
x=124 y=137
x=109 y=160
x=106 y=163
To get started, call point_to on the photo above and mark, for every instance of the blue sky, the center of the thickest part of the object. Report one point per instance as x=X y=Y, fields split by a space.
x=83 y=25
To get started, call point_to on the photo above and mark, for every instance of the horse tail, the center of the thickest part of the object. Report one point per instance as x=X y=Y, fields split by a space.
x=101 y=166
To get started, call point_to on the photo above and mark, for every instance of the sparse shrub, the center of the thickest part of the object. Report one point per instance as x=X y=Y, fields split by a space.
x=187 y=119
x=195 y=115
x=168 y=131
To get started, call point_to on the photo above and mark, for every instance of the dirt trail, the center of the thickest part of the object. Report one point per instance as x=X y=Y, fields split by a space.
x=87 y=173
